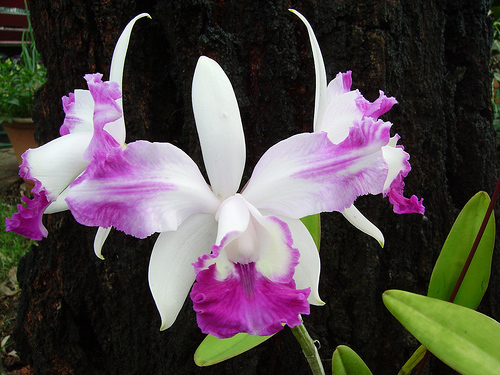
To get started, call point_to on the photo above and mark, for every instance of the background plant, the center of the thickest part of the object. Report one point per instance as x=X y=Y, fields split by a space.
x=20 y=77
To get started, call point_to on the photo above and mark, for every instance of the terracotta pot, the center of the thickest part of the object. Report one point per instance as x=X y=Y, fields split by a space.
x=20 y=132
x=21 y=135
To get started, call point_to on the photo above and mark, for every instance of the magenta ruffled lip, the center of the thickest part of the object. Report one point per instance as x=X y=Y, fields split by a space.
x=246 y=301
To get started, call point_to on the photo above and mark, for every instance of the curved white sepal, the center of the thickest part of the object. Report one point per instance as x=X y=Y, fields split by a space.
x=117 y=128
x=357 y=219
x=120 y=51
x=319 y=67
x=100 y=238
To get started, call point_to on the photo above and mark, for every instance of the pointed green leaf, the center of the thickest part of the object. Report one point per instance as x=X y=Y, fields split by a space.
x=455 y=251
x=464 y=339
x=413 y=361
x=345 y=361
x=213 y=350
x=313 y=225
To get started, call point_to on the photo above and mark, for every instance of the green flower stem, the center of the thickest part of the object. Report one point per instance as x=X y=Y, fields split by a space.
x=309 y=349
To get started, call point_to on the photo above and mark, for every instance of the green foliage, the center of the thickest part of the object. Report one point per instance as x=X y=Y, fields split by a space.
x=20 y=77
x=345 y=361
x=413 y=361
x=456 y=250
x=464 y=339
x=453 y=257
x=213 y=350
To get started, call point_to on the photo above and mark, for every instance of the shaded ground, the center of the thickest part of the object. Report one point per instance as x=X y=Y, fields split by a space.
x=11 y=188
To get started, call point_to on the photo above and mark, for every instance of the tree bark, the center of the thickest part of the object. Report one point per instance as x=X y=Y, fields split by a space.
x=81 y=315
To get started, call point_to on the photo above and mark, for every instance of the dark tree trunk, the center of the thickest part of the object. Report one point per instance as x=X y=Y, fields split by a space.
x=80 y=315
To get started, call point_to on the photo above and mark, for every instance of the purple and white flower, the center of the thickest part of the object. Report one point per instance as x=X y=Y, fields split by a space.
x=337 y=110
x=93 y=124
x=255 y=264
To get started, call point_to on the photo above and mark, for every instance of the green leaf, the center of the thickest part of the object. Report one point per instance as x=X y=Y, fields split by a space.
x=345 y=361
x=464 y=339
x=456 y=250
x=313 y=225
x=213 y=350
x=413 y=361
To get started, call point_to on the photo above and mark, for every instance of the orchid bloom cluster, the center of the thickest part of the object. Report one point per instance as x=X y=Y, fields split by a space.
x=253 y=263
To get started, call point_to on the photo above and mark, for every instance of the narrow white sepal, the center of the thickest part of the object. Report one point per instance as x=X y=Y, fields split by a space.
x=100 y=238
x=357 y=219
x=120 y=51
x=321 y=80
x=219 y=127
x=117 y=128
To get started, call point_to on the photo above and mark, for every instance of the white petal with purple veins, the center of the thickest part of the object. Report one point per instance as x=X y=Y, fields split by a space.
x=142 y=189
x=307 y=174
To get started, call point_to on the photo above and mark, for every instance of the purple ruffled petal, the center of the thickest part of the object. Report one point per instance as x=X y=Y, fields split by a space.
x=403 y=205
x=376 y=109
x=106 y=110
x=245 y=301
x=399 y=167
x=28 y=220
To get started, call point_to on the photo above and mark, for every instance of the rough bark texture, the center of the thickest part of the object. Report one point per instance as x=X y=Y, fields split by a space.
x=80 y=315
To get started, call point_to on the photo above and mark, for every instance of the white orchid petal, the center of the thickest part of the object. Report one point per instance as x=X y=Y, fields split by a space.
x=307 y=272
x=100 y=238
x=357 y=219
x=321 y=80
x=57 y=163
x=170 y=271
x=219 y=127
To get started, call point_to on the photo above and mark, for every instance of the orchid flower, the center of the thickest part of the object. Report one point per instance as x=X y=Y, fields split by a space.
x=256 y=266
x=337 y=109
x=93 y=124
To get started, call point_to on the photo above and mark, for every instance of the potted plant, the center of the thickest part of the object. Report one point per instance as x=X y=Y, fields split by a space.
x=20 y=77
